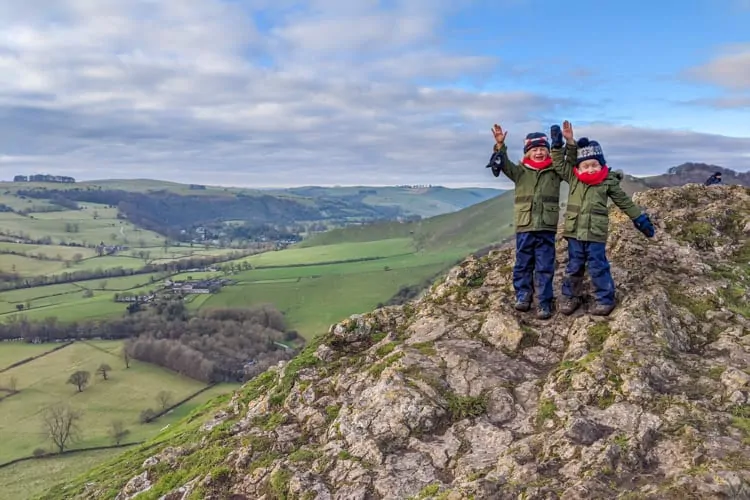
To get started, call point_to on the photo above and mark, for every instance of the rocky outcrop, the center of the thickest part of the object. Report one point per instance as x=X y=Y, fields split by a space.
x=458 y=396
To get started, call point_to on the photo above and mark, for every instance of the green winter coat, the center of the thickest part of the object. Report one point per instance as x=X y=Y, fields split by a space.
x=587 y=214
x=537 y=195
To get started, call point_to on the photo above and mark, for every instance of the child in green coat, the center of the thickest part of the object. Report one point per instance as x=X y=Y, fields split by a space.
x=536 y=213
x=592 y=184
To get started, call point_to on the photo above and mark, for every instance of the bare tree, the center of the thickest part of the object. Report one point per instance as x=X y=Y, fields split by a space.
x=125 y=356
x=80 y=379
x=117 y=431
x=164 y=398
x=61 y=425
x=103 y=369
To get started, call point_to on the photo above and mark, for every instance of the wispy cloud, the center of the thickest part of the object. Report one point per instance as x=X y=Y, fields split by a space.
x=730 y=69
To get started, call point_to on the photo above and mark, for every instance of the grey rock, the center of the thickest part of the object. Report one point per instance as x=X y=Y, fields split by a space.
x=583 y=431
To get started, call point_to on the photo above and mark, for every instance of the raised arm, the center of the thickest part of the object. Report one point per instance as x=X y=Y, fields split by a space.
x=499 y=160
x=563 y=161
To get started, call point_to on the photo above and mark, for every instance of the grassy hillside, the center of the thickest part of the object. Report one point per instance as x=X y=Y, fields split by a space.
x=33 y=260
x=472 y=228
x=92 y=224
x=695 y=173
x=123 y=396
x=26 y=480
x=422 y=201
x=315 y=296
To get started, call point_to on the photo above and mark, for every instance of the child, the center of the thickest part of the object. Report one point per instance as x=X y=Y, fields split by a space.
x=536 y=214
x=592 y=183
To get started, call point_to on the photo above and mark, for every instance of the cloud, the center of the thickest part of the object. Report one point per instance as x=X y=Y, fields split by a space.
x=642 y=151
x=726 y=102
x=730 y=70
x=273 y=93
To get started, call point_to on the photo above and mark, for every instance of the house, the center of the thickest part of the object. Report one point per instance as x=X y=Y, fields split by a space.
x=125 y=297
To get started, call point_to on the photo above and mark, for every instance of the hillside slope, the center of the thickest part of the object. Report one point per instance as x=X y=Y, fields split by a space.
x=477 y=226
x=458 y=396
x=695 y=173
x=422 y=201
x=175 y=210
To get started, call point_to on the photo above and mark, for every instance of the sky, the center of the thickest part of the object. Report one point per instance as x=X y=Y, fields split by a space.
x=263 y=93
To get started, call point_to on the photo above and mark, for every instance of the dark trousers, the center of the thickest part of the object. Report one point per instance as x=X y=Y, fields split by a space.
x=593 y=254
x=535 y=266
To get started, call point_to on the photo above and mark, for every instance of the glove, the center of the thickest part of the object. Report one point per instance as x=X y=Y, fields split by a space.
x=496 y=163
x=557 y=138
x=643 y=224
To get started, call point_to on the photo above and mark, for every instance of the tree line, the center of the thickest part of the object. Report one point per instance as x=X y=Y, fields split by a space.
x=213 y=345
x=219 y=345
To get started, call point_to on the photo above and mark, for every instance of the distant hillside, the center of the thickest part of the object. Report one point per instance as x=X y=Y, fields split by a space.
x=194 y=212
x=422 y=201
x=472 y=228
x=695 y=173
x=491 y=221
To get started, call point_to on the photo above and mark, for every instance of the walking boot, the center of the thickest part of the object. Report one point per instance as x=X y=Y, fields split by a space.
x=544 y=311
x=601 y=309
x=568 y=305
x=523 y=305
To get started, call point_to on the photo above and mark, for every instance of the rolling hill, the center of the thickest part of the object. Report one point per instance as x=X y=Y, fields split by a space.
x=490 y=221
x=695 y=173
x=240 y=204
x=425 y=201
x=469 y=229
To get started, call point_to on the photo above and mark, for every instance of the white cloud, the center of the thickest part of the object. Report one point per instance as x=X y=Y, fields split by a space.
x=320 y=92
x=731 y=69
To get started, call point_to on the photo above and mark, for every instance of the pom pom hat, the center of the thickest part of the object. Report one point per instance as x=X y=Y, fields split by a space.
x=535 y=140
x=590 y=150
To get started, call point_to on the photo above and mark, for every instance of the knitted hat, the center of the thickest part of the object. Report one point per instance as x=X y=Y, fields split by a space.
x=589 y=150
x=535 y=140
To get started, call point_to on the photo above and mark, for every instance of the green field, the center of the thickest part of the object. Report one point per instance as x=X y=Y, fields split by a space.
x=123 y=396
x=29 y=479
x=56 y=252
x=69 y=306
x=12 y=352
x=35 y=260
x=94 y=224
x=334 y=253
x=312 y=302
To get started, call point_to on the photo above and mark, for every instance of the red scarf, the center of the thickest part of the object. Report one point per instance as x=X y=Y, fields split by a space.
x=592 y=179
x=537 y=165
